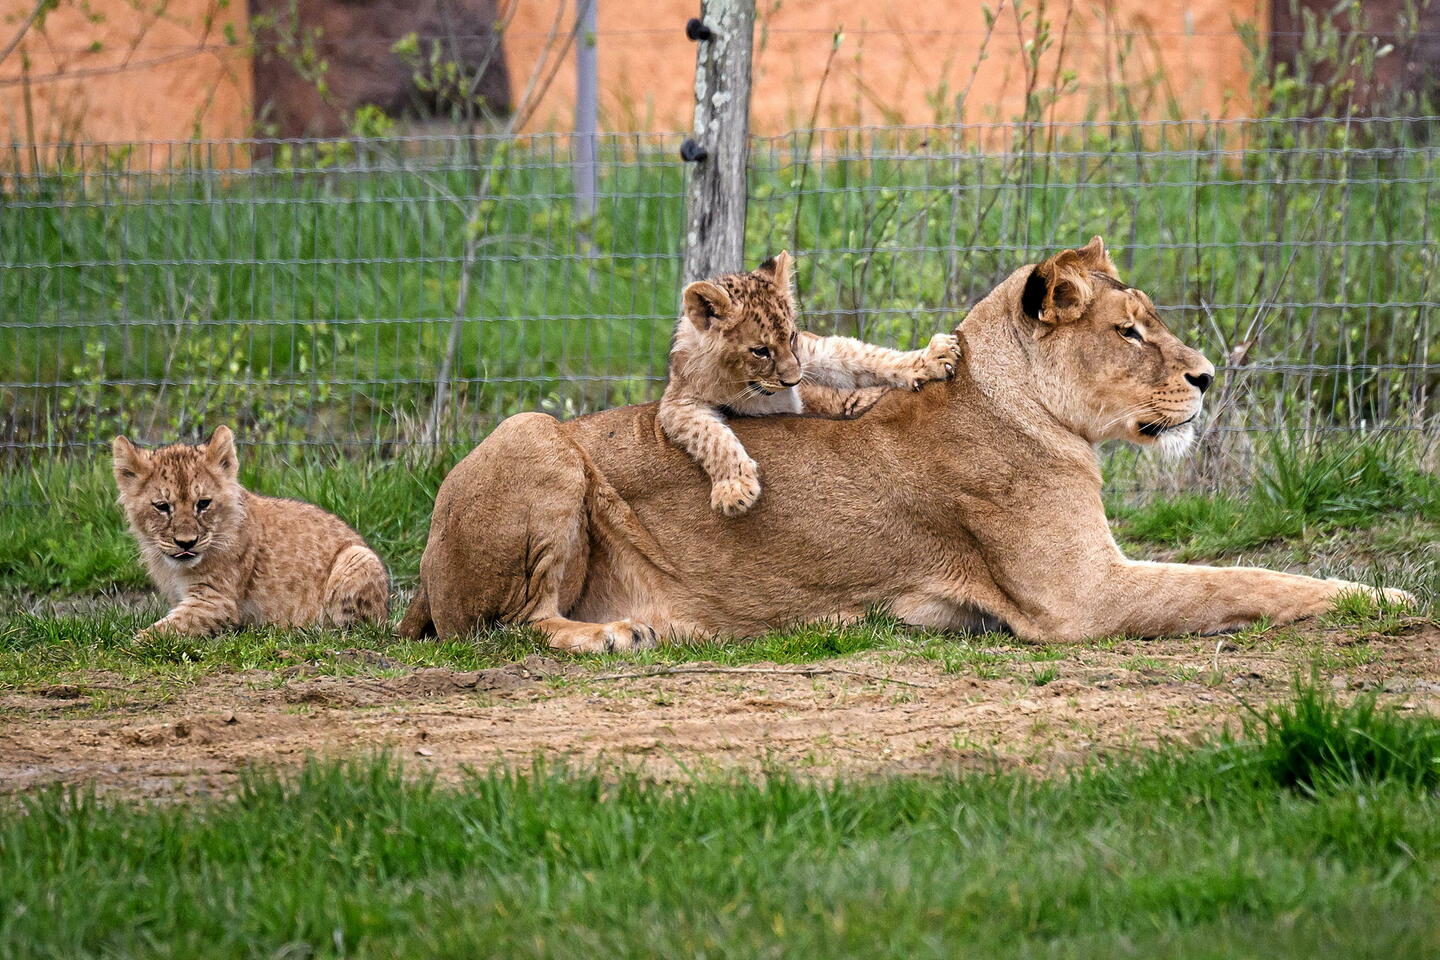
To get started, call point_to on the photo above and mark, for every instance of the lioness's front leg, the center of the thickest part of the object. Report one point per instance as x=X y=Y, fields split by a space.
x=1157 y=599
x=701 y=431
x=848 y=363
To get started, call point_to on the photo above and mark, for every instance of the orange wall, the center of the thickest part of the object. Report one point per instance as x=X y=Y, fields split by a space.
x=901 y=61
x=180 y=75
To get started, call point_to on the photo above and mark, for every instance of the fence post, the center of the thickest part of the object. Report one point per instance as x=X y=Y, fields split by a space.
x=586 y=109
x=720 y=148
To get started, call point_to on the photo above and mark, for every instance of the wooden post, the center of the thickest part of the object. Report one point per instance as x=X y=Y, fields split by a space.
x=715 y=204
x=586 y=109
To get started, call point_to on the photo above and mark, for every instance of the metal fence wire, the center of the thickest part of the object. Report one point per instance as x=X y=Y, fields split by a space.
x=377 y=295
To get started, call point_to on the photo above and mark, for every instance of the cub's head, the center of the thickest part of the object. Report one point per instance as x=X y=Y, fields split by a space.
x=182 y=501
x=747 y=323
x=1107 y=366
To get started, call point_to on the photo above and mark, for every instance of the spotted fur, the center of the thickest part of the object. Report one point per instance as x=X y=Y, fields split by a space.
x=227 y=557
x=737 y=351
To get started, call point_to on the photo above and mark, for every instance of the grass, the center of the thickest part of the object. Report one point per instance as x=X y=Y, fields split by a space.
x=1314 y=826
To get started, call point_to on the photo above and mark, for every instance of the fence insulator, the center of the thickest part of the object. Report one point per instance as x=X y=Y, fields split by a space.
x=692 y=152
x=696 y=30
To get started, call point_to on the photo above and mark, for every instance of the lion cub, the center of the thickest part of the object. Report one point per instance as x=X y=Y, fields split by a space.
x=226 y=557
x=736 y=350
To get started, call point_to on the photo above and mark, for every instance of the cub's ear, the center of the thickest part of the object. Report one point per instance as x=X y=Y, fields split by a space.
x=220 y=452
x=130 y=462
x=1097 y=258
x=706 y=303
x=1058 y=290
x=778 y=269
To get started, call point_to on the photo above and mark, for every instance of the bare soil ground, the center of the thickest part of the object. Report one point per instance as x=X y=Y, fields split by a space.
x=880 y=711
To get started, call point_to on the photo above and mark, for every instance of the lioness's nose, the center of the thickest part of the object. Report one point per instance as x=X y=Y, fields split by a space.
x=789 y=383
x=1201 y=381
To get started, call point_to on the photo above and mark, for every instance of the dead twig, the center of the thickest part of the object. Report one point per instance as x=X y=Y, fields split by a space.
x=812 y=672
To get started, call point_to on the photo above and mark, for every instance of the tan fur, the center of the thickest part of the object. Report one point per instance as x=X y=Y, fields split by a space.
x=715 y=371
x=255 y=559
x=965 y=504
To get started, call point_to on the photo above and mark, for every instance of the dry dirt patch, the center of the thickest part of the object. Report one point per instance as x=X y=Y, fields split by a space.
x=881 y=711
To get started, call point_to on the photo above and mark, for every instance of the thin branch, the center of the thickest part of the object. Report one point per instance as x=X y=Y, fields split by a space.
x=763 y=671
x=24 y=28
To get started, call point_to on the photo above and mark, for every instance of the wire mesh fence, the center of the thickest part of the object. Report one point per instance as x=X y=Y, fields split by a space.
x=377 y=296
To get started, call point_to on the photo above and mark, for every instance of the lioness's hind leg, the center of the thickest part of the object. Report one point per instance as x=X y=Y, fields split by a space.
x=358 y=588
x=576 y=636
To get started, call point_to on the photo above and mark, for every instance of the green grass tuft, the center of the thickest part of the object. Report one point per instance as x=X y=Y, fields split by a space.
x=1315 y=742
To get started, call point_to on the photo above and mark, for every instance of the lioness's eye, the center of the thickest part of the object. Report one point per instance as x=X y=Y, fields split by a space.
x=202 y=505
x=1131 y=332
x=761 y=352
x=161 y=505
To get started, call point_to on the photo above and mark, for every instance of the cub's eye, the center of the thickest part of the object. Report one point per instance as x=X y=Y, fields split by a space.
x=761 y=352
x=161 y=505
x=1131 y=332
x=202 y=505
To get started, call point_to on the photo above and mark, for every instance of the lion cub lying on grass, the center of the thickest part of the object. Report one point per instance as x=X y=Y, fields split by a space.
x=226 y=557
x=736 y=350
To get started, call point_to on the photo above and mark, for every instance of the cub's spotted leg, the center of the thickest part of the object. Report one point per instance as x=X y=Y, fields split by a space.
x=848 y=363
x=701 y=431
x=838 y=404
x=203 y=612
x=358 y=588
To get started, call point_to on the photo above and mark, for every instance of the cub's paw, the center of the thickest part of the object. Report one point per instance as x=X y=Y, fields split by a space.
x=154 y=632
x=735 y=494
x=858 y=401
x=938 y=361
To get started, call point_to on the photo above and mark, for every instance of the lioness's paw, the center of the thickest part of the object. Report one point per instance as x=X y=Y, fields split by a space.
x=939 y=361
x=623 y=636
x=734 y=495
x=1399 y=597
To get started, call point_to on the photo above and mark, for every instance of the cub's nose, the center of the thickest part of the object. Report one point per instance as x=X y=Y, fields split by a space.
x=1201 y=381
x=186 y=544
x=789 y=383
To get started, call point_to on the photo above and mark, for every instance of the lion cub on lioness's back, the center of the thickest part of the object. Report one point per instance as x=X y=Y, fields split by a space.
x=736 y=350
x=226 y=557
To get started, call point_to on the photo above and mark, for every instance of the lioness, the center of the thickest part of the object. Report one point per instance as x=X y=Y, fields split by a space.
x=225 y=556
x=967 y=502
x=736 y=351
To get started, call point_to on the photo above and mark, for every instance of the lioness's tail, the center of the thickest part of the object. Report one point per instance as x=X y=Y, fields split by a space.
x=416 y=624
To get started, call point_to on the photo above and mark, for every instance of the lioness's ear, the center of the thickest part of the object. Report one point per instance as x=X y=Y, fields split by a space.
x=706 y=303
x=778 y=269
x=1097 y=258
x=131 y=463
x=220 y=451
x=1058 y=290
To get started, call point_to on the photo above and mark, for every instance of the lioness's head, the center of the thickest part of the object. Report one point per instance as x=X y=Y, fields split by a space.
x=182 y=501
x=749 y=318
x=1107 y=366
